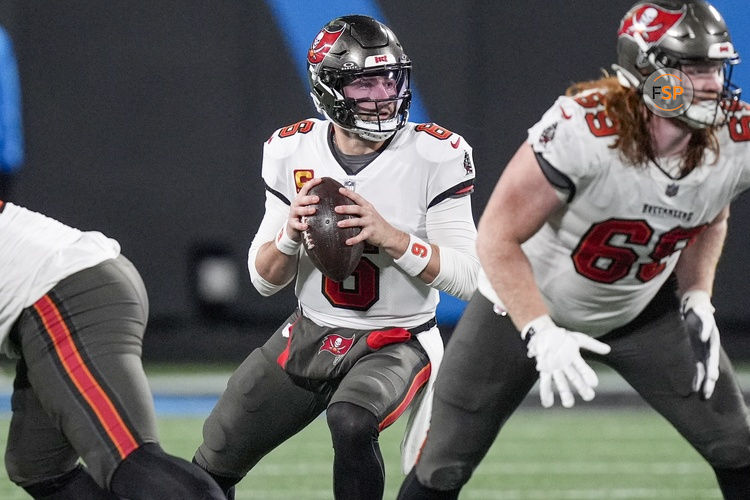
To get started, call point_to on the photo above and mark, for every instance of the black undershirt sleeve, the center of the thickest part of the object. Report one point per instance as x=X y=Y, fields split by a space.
x=558 y=179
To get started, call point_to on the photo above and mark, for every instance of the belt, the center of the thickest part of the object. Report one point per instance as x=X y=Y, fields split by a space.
x=423 y=327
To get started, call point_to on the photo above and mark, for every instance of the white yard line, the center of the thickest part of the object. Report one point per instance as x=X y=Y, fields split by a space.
x=592 y=494
x=582 y=468
x=496 y=494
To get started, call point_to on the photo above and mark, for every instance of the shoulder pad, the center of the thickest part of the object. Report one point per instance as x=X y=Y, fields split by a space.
x=438 y=144
x=588 y=106
x=590 y=99
x=284 y=141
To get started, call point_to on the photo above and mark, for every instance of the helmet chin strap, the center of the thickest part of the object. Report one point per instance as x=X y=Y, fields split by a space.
x=368 y=135
x=373 y=136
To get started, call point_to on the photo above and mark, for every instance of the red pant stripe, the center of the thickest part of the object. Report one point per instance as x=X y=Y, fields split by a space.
x=81 y=376
x=421 y=379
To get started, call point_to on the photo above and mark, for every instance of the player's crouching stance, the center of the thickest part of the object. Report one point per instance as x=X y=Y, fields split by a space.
x=73 y=312
x=621 y=243
x=361 y=348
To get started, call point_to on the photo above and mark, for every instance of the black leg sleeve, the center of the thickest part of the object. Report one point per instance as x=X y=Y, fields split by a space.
x=358 y=470
x=734 y=483
x=412 y=489
x=149 y=473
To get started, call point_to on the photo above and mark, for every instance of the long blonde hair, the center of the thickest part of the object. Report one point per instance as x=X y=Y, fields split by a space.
x=626 y=109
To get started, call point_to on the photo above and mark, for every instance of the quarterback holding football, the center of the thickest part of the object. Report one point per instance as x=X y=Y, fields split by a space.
x=363 y=343
x=614 y=260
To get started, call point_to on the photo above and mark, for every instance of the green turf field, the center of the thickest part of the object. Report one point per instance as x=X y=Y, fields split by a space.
x=593 y=454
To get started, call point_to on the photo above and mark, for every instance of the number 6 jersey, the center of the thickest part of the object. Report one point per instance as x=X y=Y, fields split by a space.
x=425 y=170
x=600 y=259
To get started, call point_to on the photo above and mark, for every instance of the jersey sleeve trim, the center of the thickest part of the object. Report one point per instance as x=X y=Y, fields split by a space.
x=460 y=189
x=556 y=177
x=277 y=194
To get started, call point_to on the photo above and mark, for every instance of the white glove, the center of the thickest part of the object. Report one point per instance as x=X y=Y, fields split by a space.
x=698 y=315
x=558 y=359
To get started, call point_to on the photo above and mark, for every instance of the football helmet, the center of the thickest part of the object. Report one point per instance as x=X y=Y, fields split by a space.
x=349 y=48
x=660 y=34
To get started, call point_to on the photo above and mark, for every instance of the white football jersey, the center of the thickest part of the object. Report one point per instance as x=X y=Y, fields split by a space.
x=423 y=165
x=601 y=259
x=38 y=252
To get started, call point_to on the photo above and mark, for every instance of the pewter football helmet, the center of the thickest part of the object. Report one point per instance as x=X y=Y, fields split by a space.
x=662 y=34
x=348 y=48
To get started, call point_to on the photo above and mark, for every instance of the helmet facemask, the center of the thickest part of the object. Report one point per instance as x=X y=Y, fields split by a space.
x=375 y=103
x=704 y=113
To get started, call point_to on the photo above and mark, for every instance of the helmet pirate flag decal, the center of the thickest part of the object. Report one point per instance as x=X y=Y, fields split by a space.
x=650 y=23
x=322 y=44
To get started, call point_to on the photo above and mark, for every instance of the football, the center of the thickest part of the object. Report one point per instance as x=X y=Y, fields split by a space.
x=323 y=240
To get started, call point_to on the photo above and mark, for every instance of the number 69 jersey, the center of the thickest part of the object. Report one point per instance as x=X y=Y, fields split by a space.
x=601 y=259
x=424 y=168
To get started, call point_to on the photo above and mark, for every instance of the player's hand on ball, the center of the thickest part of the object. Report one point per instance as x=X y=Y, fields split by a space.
x=698 y=315
x=375 y=229
x=323 y=237
x=302 y=205
x=559 y=361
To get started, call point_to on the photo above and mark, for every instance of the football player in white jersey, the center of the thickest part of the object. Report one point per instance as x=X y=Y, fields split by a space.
x=600 y=241
x=73 y=312
x=362 y=348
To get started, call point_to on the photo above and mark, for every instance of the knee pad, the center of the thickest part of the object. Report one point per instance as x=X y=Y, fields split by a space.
x=448 y=478
x=149 y=473
x=728 y=456
x=351 y=425
x=731 y=451
x=255 y=380
x=23 y=469
x=248 y=391
x=36 y=450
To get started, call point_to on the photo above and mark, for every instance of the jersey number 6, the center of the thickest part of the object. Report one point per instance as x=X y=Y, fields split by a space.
x=357 y=292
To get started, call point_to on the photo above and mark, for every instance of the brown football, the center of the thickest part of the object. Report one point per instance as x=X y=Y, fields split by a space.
x=324 y=241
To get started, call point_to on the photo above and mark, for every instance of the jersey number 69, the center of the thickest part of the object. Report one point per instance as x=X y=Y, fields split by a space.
x=602 y=256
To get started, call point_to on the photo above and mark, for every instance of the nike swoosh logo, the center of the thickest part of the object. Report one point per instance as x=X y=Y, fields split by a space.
x=564 y=114
x=455 y=144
